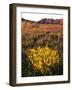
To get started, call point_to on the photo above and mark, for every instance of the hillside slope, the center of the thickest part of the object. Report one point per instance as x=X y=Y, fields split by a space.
x=28 y=26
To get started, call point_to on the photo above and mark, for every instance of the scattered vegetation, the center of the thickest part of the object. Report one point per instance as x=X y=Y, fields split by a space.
x=42 y=54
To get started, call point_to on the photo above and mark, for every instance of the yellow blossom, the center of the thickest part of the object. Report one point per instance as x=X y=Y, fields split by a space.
x=43 y=58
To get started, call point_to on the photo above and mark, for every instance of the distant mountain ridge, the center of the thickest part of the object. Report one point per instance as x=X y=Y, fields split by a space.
x=47 y=21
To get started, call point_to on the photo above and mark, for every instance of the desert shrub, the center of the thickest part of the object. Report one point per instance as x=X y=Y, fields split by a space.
x=43 y=59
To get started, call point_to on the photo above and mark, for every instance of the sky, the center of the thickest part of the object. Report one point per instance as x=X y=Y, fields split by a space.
x=34 y=16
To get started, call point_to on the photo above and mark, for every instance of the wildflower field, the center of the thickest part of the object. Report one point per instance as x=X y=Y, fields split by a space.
x=42 y=53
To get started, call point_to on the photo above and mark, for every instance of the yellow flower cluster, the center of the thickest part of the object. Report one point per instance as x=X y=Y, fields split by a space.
x=43 y=58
